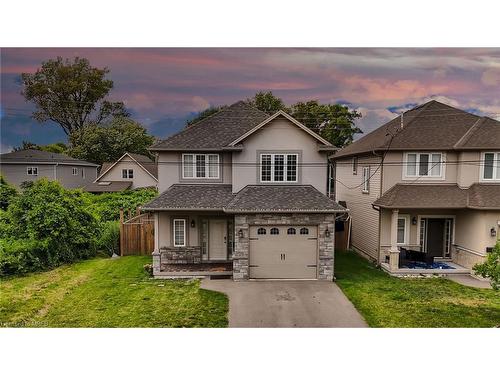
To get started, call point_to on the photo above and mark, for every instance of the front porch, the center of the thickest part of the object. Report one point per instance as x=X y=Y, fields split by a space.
x=210 y=269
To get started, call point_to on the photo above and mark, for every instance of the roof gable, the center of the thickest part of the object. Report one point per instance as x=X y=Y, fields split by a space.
x=146 y=164
x=271 y=118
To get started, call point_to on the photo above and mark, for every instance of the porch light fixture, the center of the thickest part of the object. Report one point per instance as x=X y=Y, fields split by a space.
x=327 y=233
x=414 y=220
x=240 y=233
x=493 y=232
x=193 y=223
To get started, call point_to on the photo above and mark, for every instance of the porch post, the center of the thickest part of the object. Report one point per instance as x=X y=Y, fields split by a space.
x=156 y=251
x=394 y=251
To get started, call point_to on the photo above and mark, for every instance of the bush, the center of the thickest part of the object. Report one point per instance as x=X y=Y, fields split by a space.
x=21 y=256
x=109 y=237
x=7 y=193
x=491 y=267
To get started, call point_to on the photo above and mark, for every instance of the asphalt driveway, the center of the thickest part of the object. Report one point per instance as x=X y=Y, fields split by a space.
x=286 y=304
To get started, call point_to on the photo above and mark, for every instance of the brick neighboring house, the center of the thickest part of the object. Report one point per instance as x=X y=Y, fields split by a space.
x=245 y=192
x=130 y=171
x=437 y=191
x=31 y=165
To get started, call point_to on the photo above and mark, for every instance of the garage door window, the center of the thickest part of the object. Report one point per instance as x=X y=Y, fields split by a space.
x=274 y=231
x=291 y=231
x=261 y=231
x=304 y=231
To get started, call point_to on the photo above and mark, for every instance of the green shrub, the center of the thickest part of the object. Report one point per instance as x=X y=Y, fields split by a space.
x=21 y=256
x=7 y=193
x=109 y=237
x=491 y=267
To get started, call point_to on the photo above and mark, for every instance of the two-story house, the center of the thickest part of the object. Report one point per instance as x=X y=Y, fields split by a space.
x=31 y=165
x=426 y=183
x=246 y=190
x=130 y=171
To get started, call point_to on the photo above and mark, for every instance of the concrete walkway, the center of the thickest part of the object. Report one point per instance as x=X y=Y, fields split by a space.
x=286 y=304
x=468 y=280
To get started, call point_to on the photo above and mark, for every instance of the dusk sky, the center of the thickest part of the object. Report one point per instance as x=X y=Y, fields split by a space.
x=162 y=87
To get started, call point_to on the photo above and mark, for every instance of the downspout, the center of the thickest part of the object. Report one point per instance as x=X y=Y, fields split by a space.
x=55 y=172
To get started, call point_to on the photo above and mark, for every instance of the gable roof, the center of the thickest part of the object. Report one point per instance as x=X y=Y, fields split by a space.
x=477 y=196
x=288 y=117
x=143 y=161
x=41 y=157
x=216 y=131
x=431 y=126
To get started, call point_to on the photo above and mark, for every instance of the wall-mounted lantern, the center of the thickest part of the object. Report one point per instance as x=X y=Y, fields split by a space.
x=193 y=223
x=493 y=232
x=414 y=220
x=240 y=233
x=327 y=233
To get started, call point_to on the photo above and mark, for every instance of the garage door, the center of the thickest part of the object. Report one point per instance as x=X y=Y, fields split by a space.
x=283 y=252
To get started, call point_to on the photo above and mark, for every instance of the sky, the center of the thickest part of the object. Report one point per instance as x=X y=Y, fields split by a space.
x=162 y=87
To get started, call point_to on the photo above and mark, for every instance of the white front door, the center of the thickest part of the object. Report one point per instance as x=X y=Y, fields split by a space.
x=217 y=248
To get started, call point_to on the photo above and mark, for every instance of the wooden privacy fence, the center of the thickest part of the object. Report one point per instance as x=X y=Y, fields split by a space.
x=137 y=234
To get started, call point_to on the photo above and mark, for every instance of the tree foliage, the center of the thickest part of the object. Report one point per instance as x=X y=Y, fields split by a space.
x=267 y=102
x=59 y=147
x=71 y=93
x=7 y=193
x=106 y=143
x=491 y=267
x=204 y=114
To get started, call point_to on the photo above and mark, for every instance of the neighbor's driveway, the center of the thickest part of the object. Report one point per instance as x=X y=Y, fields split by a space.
x=286 y=304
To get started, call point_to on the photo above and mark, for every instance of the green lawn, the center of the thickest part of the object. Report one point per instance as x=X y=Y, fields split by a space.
x=108 y=293
x=387 y=301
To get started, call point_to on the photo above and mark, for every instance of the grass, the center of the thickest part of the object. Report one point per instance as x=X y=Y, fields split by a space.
x=387 y=301
x=108 y=293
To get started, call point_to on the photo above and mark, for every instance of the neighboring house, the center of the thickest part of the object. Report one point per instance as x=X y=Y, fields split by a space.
x=245 y=189
x=427 y=181
x=131 y=171
x=31 y=165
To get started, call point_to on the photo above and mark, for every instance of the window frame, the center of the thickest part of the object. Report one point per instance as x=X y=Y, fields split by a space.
x=429 y=176
x=74 y=171
x=365 y=187
x=31 y=169
x=274 y=231
x=495 y=176
x=304 y=231
x=355 y=165
x=129 y=176
x=406 y=218
x=285 y=167
x=193 y=165
x=184 y=232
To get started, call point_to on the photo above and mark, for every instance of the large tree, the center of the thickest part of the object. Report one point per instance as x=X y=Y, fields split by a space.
x=59 y=147
x=267 y=102
x=99 y=143
x=71 y=93
x=334 y=122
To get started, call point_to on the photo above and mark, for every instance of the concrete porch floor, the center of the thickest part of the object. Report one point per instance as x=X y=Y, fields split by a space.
x=456 y=270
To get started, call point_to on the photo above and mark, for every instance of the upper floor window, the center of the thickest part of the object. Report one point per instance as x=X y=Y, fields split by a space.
x=355 y=165
x=491 y=166
x=366 y=180
x=127 y=173
x=74 y=171
x=278 y=167
x=32 y=171
x=200 y=166
x=423 y=165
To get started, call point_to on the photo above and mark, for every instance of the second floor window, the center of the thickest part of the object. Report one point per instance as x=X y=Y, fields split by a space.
x=74 y=171
x=355 y=165
x=423 y=165
x=278 y=168
x=491 y=166
x=127 y=173
x=366 y=179
x=200 y=166
x=32 y=171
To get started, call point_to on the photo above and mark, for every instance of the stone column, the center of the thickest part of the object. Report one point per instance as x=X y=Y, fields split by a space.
x=241 y=248
x=394 y=251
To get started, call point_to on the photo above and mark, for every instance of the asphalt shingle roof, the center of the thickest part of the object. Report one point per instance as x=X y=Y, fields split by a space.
x=215 y=132
x=431 y=126
x=478 y=196
x=110 y=187
x=37 y=156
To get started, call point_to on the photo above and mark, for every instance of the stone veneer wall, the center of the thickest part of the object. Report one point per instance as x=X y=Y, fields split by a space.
x=180 y=255
x=465 y=258
x=325 y=244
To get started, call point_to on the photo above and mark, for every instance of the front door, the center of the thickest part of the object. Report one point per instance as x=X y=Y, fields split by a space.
x=435 y=237
x=217 y=244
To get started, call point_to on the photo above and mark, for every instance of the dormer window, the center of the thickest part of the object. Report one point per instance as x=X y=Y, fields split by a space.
x=421 y=164
x=279 y=168
x=200 y=166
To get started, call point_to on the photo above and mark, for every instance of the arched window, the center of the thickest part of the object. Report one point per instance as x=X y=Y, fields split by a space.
x=274 y=231
x=304 y=231
x=291 y=231
x=261 y=231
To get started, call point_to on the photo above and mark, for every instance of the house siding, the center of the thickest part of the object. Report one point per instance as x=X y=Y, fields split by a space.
x=141 y=177
x=365 y=219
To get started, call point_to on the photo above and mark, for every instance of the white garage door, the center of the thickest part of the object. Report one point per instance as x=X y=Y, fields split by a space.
x=283 y=252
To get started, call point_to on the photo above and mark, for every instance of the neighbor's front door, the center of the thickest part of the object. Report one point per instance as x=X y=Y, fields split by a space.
x=435 y=237
x=217 y=248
